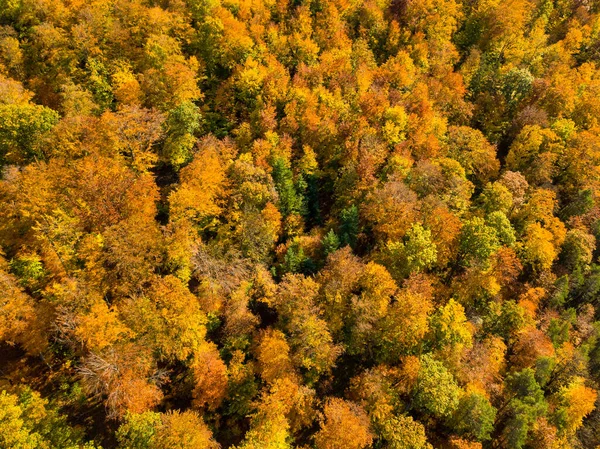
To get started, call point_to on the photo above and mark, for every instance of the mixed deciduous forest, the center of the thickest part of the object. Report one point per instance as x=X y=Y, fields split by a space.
x=307 y=224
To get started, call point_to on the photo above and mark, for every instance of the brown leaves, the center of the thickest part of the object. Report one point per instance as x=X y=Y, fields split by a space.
x=124 y=377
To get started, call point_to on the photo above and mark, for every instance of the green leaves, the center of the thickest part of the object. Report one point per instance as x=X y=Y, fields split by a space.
x=474 y=417
x=22 y=127
x=478 y=242
x=436 y=391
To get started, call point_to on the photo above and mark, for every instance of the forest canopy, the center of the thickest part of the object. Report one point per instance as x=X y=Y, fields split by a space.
x=299 y=224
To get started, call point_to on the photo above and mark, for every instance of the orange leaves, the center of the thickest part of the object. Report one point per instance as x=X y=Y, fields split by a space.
x=391 y=209
x=210 y=377
x=124 y=377
x=273 y=354
x=101 y=328
x=202 y=184
x=131 y=132
x=19 y=321
x=531 y=344
x=344 y=426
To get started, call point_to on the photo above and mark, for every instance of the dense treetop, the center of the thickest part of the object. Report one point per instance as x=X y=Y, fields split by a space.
x=308 y=224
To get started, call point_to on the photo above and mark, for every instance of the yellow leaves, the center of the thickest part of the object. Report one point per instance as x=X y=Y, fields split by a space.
x=533 y=152
x=12 y=91
x=405 y=325
x=101 y=327
x=202 y=184
x=273 y=354
x=14 y=421
x=160 y=48
x=451 y=327
x=183 y=430
x=181 y=241
x=395 y=125
x=167 y=318
x=308 y=164
x=126 y=87
x=235 y=42
x=249 y=79
x=538 y=248
x=17 y=312
x=180 y=324
x=578 y=401
x=272 y=218
x=378 y=287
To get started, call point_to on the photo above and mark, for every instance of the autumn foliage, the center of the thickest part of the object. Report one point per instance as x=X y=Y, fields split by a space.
x=309 y=224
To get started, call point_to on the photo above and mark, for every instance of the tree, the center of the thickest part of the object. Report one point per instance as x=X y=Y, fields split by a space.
x=273 y=354
x=181 y=124
x=418 y=252
x=534 y=152
x=171 y=430
x=23 y=126
x=576 y=402
x=210 y=377
x=525 y=404
x=290 y=201
x=401 y=332
x=367 y=310
x=345 y=425
x=202 y=183
x=27 y=420
x=126 y=378
x=450 y=328
x=313 y=348
x=349 y=226
x=470 y=147
x=403 y=432
x=132 y=132
x=169 y=318
x=183 y=431
x=436 y=392
x=338 y=280
x=496 y=198
x=538 y=249
x=101 y=327
x=474 y=417
x=18 y=315
x=478 y=242
x=504 y=230
x=577 y=249
x=391 y=210
x=331 y=243
x=269 y=427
